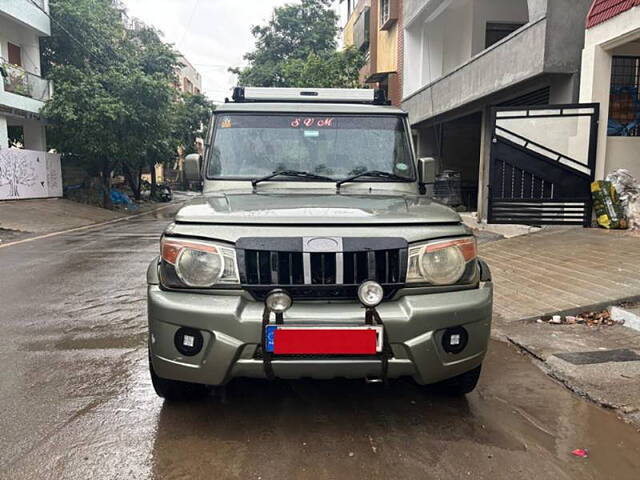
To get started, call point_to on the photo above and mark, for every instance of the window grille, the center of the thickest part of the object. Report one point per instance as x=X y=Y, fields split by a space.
x=624 y=100
x=385 y=11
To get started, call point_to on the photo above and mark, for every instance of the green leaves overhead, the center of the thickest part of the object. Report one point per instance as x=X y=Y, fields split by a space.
x=115 y=100
x=297 y=48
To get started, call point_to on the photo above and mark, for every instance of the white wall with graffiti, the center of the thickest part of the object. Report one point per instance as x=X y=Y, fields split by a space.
x=29 y=174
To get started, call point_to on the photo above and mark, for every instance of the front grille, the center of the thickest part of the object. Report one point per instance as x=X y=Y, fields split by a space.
x=268 y=263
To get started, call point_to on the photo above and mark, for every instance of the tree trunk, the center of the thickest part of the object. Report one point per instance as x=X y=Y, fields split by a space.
x=137 y=194
x=106 y=184
x=135 y=186
x=154 y=184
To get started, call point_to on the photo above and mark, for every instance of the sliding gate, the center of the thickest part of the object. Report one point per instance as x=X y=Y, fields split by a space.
x=542 y=164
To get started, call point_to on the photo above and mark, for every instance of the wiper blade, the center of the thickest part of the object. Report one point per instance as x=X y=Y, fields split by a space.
x=290 y=173
x=371 y=173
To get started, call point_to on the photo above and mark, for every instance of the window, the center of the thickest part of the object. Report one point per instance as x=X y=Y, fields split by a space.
x=15 y=54
x=388 y=13
x=624 y=99
x=361 y=31
x=251 y=145
x=16 y=136
x=497 y=31
x=385 y=11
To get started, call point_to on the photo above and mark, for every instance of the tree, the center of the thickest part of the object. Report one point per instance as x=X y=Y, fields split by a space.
x=114 y=95
x=339 y=69
x=300 y=37
x=192 y=114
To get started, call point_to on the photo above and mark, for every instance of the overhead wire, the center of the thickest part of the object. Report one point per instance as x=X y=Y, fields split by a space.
x=78 y=42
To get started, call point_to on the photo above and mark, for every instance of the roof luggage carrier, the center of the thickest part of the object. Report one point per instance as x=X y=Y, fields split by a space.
x=309 y=95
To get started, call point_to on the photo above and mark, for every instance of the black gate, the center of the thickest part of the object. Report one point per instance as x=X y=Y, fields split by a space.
x=542 y=164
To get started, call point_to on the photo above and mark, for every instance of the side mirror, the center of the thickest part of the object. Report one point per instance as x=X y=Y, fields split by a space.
x=427 y=170
x=192 y=167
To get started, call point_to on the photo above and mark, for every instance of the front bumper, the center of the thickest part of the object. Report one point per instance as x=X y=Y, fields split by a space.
x=231 y=328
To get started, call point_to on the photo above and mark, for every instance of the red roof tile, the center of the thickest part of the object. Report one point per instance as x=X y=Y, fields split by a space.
x=603 y=10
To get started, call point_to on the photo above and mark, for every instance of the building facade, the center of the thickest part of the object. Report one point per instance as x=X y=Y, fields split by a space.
x=611 y=77
x=464 y=57
x=375 y=27
x=189 y=79
x=27 y=170
x=23 y=91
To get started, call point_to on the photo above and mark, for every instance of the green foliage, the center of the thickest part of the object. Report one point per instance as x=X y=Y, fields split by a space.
x=115 y=105
x=297 y=48
x=339 y=69
x=191 y=118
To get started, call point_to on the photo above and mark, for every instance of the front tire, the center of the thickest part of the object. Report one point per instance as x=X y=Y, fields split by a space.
x=174 y=390
x=460 y=385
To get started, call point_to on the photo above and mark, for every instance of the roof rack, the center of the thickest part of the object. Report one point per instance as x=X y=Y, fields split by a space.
x=309 y=95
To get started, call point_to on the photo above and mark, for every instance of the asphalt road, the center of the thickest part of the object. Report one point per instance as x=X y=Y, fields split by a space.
x=76 y=401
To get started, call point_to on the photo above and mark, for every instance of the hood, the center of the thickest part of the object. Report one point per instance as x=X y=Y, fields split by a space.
x=315 y=208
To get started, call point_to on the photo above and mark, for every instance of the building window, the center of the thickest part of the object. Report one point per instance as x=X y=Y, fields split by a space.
x=497 y=31
x=361 y=31
x=388 y=13
x=624 y=99
x=14 y=52
x=385 y=11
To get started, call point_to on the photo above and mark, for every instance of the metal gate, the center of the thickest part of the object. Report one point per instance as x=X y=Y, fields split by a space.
x=542 y=164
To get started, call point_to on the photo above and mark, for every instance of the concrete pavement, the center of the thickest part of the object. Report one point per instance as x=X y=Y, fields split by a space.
x=569 y=270
x=24 y=218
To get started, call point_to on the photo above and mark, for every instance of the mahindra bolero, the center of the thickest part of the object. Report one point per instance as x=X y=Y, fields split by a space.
x=315 y=251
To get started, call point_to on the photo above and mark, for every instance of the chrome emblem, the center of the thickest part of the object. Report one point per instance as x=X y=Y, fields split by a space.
x=322 y=244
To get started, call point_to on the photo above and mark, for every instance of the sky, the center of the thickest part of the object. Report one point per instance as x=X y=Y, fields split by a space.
x=212 y=34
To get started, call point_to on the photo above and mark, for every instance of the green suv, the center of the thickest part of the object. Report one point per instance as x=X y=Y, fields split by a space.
x=314 y=251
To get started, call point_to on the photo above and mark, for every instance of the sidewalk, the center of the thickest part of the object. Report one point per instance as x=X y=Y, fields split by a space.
x=569 y=270
x=21 y=219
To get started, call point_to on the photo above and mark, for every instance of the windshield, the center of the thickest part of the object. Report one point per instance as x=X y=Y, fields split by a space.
x=252 y=146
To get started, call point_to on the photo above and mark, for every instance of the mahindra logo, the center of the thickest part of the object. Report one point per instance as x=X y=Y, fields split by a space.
x=322 y=244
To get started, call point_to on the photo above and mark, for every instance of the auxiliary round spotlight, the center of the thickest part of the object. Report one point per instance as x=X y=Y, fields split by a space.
x=370 y=294
x=278 y=301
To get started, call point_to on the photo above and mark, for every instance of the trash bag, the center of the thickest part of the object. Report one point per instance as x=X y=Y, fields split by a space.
x=628 y=190
x=119 y=198
x=606 y=203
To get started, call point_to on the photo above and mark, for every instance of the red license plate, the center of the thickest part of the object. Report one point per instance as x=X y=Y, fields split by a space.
x=327 y=341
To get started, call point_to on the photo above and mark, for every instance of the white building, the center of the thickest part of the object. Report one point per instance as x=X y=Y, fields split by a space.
x=463 y=59
x=22 y=90
x=611 y=77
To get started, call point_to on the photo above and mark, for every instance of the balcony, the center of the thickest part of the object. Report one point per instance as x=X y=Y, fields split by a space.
x=27 y=13
x=23 y=91
x=19 y=81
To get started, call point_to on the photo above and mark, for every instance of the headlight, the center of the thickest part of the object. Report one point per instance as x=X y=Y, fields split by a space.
x=196 y=264
x=443 y=262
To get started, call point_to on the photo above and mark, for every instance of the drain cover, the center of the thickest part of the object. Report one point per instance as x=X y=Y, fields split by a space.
x=600 y=356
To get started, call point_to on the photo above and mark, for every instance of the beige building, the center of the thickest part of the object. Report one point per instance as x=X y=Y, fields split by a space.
x=375 y=27
x=189 y=79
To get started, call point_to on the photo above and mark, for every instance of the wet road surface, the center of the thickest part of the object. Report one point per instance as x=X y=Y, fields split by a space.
x=76 y=401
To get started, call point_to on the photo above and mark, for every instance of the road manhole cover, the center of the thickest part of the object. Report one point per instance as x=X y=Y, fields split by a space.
x=601 y=356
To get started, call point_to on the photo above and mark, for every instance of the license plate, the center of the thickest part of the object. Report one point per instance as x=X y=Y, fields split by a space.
x=329 y=340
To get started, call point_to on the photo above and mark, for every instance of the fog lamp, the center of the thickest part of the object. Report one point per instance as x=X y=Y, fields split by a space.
x=188 y=341
x=455 y=340
x=370 y=293
x=278 y=301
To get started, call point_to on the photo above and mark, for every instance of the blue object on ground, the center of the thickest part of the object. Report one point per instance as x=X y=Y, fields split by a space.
x=119 y=198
